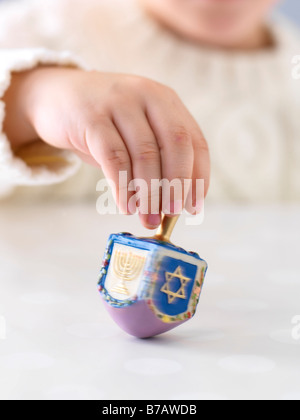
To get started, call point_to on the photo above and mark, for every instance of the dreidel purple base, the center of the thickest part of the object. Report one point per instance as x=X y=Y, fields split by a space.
x=149 y=285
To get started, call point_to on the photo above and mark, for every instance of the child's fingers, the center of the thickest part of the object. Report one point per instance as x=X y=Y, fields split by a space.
x=202 y=161
x=142 y=146
x=87 y=159
x=201 y=174
x=108 y=149
x=174 y=135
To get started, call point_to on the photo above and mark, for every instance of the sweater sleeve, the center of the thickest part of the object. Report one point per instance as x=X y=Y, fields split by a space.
x=24 y=44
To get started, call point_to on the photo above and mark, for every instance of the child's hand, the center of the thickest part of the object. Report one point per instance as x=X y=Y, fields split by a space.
x=118 y=122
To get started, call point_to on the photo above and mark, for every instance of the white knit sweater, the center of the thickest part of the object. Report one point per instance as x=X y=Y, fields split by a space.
x=248 y=104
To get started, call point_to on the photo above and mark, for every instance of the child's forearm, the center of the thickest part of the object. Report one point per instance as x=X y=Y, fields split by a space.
x=17 y=100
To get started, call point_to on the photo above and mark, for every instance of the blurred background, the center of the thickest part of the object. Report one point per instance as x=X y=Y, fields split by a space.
x=292 y=9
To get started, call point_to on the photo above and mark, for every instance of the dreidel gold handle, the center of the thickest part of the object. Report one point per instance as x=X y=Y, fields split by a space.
x=166 y=228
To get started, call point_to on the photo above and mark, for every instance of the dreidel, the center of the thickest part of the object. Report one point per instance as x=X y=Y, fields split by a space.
x=149 y=285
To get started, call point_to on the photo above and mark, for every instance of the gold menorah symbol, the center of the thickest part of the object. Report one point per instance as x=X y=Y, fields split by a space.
x=127 y=267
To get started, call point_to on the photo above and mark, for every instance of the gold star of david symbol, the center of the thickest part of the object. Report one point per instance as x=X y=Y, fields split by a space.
x=181 y=291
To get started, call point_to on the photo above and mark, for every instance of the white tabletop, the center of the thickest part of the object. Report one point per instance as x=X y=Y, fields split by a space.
x=57 y=341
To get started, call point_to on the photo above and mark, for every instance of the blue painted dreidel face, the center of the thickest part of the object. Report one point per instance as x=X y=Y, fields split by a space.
x=174 y=286
x=149 y=285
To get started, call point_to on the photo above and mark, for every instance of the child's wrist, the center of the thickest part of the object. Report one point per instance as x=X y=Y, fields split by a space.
x=18 y=99
x=23 y=99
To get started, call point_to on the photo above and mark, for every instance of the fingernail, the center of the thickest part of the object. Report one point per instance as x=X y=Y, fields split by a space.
x=153 y=220
x=176 y=207
x=131 y=208
x=199 y=206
